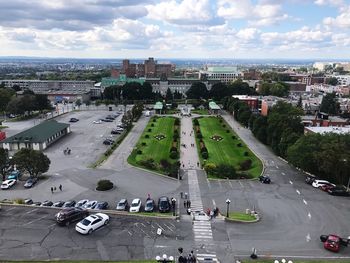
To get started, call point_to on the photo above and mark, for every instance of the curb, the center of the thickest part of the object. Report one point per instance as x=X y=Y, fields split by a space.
x=153 y=172
x=121 y=213
x=257 y=219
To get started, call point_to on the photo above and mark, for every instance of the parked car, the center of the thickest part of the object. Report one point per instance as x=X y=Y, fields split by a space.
x=36 y=203
x=107 y=120
x=342 y=191
x=149 y=205
x=70 y=203
x=264 y=179
x=325 y=187
x=108 y=142
x=7 y=184
x=135 y=205
x=318 y=183
x=81 y=203
x=91 y=223
x=28 y=201
x=73 y=120
x=97 y=122
x=101 y=206
x=110 y=117
x=14 y=175
x=164 y=204
x=122 y=205
x=30 y=182
x=310 y=179
x=115 y=131
x=90 y=205
x=58 y=204
x=69 y=215
x=47 y=203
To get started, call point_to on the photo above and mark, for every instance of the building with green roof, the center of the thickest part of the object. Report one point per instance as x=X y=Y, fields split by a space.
x=38 y=137
x=213 y=107
x=158 y=107
x=107 y=82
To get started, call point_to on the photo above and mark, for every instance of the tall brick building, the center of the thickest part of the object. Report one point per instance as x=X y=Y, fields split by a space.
x=150 y=68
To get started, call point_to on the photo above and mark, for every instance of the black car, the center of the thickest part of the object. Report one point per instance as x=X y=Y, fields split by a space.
x=101 y=206
x=70 y=203
x=164 y=204
x=341 y=191
x=310 y=179
x=115 y=131
x=69 y=215
x=30 y=182
x=108 y=142
x=107 y=120
x=73 y=120
x=46 y=203
x=36 y=203
x=122 y=205
x=264 y=179
x=58 y=204
x=149 y=205
x=110 y=117
x=28 y=201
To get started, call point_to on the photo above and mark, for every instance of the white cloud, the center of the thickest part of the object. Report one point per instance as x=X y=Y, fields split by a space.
x=342 y=20
x=247 y=34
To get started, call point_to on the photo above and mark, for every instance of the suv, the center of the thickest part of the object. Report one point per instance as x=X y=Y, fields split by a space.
x=319 y=183
x=69 y=215
x=264 y=179
x=164 y=204
x=310 y=179
x=14 y=175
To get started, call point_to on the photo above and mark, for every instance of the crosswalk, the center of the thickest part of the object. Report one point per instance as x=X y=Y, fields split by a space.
x=202 y=231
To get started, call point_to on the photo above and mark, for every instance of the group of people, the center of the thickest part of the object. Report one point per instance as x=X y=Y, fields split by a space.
x=187 y=204
x=191 y=258
x=53 y=188
x=66 y=151
x=212 y=213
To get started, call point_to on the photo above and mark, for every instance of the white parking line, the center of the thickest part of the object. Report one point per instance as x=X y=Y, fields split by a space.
x=172 y=225
x=31 y=211
x=38 y=219
x=129 y=233
x=214 y=203
x=291 y=182
x=241 y=183
x=169 y=228
x=304 y=202
x=298 y=192
x=283 y=173
x=208 y=184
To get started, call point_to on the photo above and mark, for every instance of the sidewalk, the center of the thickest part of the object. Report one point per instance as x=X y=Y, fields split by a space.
x=189 y=155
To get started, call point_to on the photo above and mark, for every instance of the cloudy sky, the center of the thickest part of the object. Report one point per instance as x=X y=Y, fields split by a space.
x=176 y=28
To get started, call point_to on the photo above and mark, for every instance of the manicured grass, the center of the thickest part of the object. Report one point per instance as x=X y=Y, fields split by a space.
x=3 y=127
x=226 y=151
x=241 y=216
x=296 y=261
x=155 y=214
x=154 y=148
x=200 y=112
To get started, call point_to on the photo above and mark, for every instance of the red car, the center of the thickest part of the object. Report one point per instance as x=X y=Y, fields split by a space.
x=333 y=242
x=326 y=187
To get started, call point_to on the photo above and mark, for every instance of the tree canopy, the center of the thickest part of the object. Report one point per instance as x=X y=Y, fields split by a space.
x=31 y=161
x=198 y=90
x=330 y=104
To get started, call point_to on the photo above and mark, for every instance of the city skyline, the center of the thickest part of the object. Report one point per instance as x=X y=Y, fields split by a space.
x=247 y=29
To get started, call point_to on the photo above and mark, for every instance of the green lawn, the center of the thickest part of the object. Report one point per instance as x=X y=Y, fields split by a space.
x=200 y=112
x=226 y=150
x=241 y=216
x=154 y=148
x=155 y=214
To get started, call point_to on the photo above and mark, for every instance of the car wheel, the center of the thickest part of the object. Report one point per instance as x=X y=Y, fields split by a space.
x=107 y=221
x=90 y=231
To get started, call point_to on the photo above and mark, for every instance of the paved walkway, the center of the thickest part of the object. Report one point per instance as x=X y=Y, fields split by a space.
x=189 y=156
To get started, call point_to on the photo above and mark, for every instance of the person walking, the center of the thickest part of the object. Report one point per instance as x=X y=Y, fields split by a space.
x=189 y=203
x=51 y=190
x=60 y=187
x=54 y=189
x=185 y=204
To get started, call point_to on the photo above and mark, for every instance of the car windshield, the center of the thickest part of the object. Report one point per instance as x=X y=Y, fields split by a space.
x=99 y=205
x=86 y=222
x=164 y=203
x=149 y=204
x=135 y=204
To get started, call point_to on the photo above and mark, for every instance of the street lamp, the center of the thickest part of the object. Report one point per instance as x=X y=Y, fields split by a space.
x=228 y=201
x=165 y=259
x=173 y=202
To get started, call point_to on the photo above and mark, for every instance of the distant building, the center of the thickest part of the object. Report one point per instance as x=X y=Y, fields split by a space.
x=325 y=130
x=342 y=79
x=323 y=120
x=252 y=102
x=268 y=102
x=223 y=74
x=38 y=137
x=150 y=68
x=252 y=74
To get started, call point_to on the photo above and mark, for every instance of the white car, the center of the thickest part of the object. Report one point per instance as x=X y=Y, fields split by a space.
x=135 y=206
x=200 y=216
x=8 y=184
x=91 y=223
x=90 y=205
x=319 y=183
x=81 y=203
x=97 y=122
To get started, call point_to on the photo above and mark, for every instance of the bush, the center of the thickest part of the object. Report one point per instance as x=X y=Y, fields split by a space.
x=246 y=153
x=143 y=144
x=199 y=135
x=149 y=130
x=204 y=149
x=239 y=144
x=226 y=171
x=155 y=120
x=220 y=120
x=205 y=155
x=177 y=122
x=176 y=136
x=139 y=152
x=176 y=132
x=196 y=122
x=152 y=125
x=173 y=155
x=148 y=163
x=227 y=131
x=104 y=185
x=173 y=149
x=224 y=125
x=233 y=137
x=210 y=168
x=245 y=165
x=146 y=136
x=165 y=164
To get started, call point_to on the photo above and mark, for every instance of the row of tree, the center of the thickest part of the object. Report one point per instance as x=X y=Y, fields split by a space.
x=279 y=89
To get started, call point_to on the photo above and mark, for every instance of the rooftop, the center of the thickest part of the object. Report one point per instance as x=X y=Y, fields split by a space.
x=158 y=105
x=213 y=106
x=324 y=130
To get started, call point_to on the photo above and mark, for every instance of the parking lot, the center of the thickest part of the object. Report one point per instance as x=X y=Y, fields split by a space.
x=31 y=233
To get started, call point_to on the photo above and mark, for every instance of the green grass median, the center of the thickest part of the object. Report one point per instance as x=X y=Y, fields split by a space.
x=241 y=216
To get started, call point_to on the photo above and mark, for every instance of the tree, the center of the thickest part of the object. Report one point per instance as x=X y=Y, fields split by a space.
x=197 y=90
x=5 y=97
x=332 y=81
x=31 y=161
x=330 y=104
x=4 y=159
x=42 y=102
x=146 y=92
x=169 y=95
x=239 y=87
x=131 y=91
x=127 y=119
x=218 y=91
x=78 y=103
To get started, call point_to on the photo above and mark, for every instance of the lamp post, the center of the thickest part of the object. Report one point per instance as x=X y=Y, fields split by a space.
x=173 y=203
x=228 y=201
x=165 y=259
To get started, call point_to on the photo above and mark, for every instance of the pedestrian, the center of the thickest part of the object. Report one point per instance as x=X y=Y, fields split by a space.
x=60 y=187
x=189 y=203
x=148 y=196
x=185 y=204
x=51 y=190
x=186 y=195
x=211 y=214
x=54 y=189
x=197 y=164
x=183 y=165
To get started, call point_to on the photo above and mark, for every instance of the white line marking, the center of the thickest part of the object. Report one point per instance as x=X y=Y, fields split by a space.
x=31 y=211
x=214 y=204
x=309 y=215
x=229 y=182
x=298 y=192
x=241 y=183
x=38 y=219
x=276 y=166
x=129 y=233
x=304 y=202
x=291 y=182
x=283 y=173
x=220 y=184
x=208 y=184
x=308 y=238
x=206 y=255
x=172 y=225
x=302 y=257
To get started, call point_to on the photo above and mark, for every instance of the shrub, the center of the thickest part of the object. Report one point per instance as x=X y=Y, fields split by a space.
x=143 y=144
x=173 y=170
x=139 y=152
x=220 y=120
x=176 y=131
x=177 y=122
x=148 y=163
x=155 y=120
x=239 y=144
x=246 y=153
x=204 y=149
x=226 y=171
x=165 y=164
x=173 y=149
x=149 y=130
x=210 y=168
x=245 y=165
x=19 y=201
x=146 y=136
x=152 y=125
x=205 y=155
x=227 y=131
x=176 y=136
x=104 y=185
x=173 y=155
x=224 y=125
x=196 y=122
x=199 y=135
x=233 y=137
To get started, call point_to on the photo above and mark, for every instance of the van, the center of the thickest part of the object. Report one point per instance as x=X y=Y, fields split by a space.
x=319 y=183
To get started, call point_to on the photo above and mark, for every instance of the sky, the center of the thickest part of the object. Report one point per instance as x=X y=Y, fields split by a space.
x=251 y=29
